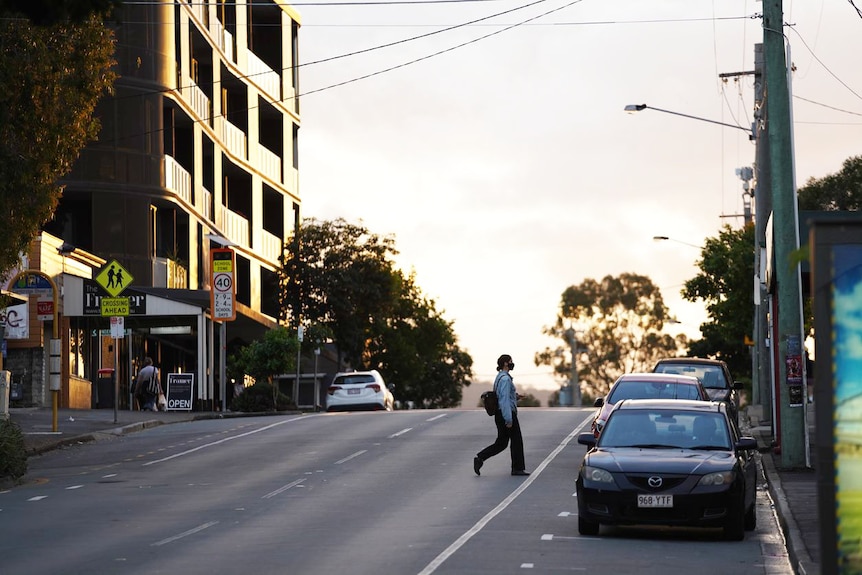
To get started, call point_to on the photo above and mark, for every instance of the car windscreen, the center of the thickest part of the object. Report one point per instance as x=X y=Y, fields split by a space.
x=353 y=379
x=666 y=428
x=653 y=390
x=710 y=376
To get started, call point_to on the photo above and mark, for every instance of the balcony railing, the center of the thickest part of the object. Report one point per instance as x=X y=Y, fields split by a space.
x=178 y=180
x=271 y=247
x=270 y=164
x=234 y=226
x=199 y=101
x=232 y=137
x=264 y=76
x=169 y=274
x=204 y=203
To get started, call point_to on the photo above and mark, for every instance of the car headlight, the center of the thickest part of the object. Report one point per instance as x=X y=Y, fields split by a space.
x=717 y=478
x=597 y=475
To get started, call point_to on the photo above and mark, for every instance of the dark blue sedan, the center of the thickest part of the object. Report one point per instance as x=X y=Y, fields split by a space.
x=668 y=462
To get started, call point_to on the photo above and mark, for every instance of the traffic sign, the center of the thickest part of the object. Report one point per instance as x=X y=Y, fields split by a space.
x=32 y=283
x=114 y=306
x=223 y=293
x=114 y=278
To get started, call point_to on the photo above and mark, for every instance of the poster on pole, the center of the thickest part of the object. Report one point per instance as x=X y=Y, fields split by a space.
x=180 y=391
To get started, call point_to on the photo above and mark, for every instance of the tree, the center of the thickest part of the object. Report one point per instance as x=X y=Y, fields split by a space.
x=418 y=350
x=725 y=285
x=338 y=275
x=263 y=359
x=52 y=78
x=620 y=322
x=834 y=192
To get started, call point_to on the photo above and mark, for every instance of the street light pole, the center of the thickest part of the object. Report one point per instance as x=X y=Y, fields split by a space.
x=639 y=107
x=665 y=238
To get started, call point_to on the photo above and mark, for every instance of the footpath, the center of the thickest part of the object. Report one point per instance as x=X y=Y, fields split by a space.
x=793 y=491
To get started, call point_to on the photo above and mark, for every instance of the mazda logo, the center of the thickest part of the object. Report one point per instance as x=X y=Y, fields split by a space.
x=654 y=481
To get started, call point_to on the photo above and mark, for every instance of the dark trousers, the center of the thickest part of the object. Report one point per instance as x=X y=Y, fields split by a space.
x=510 y=436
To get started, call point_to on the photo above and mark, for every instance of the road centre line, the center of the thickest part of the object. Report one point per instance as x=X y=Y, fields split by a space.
x=231 y=438
x=402 y=432
x=351 y=456
x=461 y=541
x=436 y=417
x=184 y=534
x=282 y=489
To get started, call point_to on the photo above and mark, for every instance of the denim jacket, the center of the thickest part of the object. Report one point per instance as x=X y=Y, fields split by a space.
x=507 y=397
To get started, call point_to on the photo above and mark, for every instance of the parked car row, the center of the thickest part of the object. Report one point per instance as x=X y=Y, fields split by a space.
x=663 y=450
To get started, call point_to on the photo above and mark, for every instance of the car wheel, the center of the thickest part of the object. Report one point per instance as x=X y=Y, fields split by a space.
x=734 y=529
x=587 y=527
x=751 y=518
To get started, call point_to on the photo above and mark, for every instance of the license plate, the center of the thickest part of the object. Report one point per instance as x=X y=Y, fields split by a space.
x=353 y=391
x=655 y=500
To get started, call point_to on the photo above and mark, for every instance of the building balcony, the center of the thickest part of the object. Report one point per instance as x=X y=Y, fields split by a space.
x=264 y=76
x=232 y=137
x=168 y=273
x=269 y=164
x=204 y=203
x=234 y=226
x=271 y=246
x=177 y=179
x=198 y=101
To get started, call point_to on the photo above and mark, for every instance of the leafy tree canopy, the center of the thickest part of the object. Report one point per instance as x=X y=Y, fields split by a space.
x=618 y=324
x=340 y=277
x=52 y=78
x=47 y=12
x=725 y=285
x=839 y=191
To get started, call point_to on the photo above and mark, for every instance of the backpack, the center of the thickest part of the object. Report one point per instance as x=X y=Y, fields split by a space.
x=489 y=400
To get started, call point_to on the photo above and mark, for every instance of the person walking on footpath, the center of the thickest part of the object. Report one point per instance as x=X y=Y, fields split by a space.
x=147 y=386
x=506 y=419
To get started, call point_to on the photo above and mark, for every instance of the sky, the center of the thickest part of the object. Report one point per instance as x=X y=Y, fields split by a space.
x=499 y=156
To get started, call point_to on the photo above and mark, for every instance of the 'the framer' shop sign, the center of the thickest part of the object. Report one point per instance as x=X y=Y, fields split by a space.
x=93 y=294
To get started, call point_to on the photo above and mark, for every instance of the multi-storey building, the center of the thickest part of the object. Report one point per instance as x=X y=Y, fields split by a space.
x=197 y=150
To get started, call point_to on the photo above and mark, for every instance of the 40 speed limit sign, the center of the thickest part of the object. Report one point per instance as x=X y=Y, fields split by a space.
x=223 y=293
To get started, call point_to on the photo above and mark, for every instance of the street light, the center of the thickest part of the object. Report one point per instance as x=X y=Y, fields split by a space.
x=638 y=107
x=665 y=238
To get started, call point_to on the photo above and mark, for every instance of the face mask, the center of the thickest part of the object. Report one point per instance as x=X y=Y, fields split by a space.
x=511 y=366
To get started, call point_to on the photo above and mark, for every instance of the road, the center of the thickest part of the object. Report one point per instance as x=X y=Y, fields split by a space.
x=359 y=493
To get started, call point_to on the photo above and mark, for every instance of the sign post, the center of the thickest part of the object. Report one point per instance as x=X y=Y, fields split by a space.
x=114 y=279
x=30 y=282
x=223 y=306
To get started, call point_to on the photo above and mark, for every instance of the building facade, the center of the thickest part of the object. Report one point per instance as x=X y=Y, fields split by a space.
x=197 y=150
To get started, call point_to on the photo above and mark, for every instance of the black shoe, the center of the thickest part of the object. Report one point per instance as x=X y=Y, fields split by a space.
x=520 y=472
x=477 y=465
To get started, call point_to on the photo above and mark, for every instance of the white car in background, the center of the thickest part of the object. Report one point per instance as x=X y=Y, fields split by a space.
x=359 y=390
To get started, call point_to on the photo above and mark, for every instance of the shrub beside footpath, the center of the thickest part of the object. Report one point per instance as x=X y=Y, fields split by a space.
x=13 y=454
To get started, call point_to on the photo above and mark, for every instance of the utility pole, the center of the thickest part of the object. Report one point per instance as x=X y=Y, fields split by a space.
x=787 y=340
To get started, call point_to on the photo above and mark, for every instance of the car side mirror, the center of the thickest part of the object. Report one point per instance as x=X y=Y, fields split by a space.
x=587 y=439
x=746 y=444
x=390 y=386
x=600 y=401
x=738 y=385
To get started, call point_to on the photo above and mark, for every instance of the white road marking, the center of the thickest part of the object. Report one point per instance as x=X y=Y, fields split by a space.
x=461 y=541
x=547 y=537
x=564 y=513
x=74 y=487
x=184 y=534
x=349 y=457
x=436 y=417
x=283 y=489
x=38 y=498
x=402 y=432
x=226 y=439
x=526 y=565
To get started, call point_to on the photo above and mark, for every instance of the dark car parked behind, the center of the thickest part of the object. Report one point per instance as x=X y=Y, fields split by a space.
x=713 y=373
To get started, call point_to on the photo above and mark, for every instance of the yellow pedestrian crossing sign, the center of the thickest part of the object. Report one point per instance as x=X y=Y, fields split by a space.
x=114 y=278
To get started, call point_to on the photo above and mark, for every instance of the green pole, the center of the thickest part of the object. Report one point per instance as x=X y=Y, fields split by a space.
x=788 y=335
